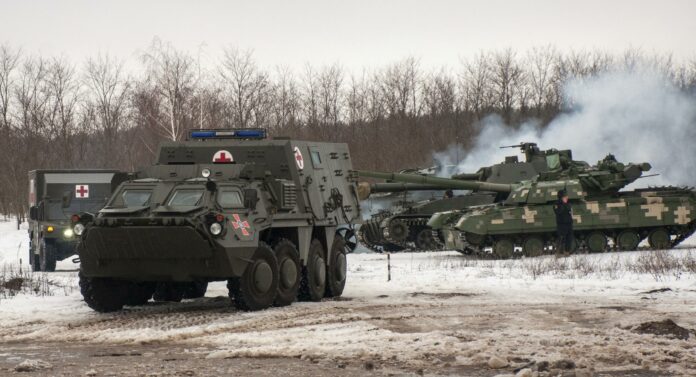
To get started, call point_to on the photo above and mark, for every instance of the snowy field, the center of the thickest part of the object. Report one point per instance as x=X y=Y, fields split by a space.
x=441 y=314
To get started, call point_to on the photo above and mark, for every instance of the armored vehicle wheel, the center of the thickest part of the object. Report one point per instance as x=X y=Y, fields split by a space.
x=195 y=289
x=533 y=246
x=627 y=240
x=103 y=294
x=503 y=248
x=257 y=288
x=289 y=269
x=47 y=257
x=398 y=230
x=139 y=293
x=313 y=284
x=425 y=240
x=659 y=239
x=336 y=273
x=172 y=292
x=596 y=242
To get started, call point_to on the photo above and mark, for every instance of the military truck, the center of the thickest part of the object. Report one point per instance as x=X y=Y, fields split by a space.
x=403 y=225
x=263 y=214
x=54 y=196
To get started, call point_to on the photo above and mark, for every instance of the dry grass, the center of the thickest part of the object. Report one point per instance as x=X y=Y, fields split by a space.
x=659 y=265
x=18 y=279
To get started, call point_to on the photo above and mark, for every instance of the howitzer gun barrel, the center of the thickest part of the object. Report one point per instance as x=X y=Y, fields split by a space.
x=447 y=183
x=365 y=189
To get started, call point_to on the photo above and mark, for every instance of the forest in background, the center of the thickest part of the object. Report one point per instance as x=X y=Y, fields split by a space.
x=56 y=113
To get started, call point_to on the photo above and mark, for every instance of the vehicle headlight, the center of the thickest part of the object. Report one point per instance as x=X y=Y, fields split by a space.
x=79 y=229
x=205 y=173
x=68 y=233
x=50 y=229
x=215 y=229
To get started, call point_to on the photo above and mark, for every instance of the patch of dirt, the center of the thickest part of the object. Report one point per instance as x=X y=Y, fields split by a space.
x=663 y=328
x=659 y=290
x=442 y=295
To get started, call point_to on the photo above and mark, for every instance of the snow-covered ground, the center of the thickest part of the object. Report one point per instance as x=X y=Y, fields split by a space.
x=439 y=312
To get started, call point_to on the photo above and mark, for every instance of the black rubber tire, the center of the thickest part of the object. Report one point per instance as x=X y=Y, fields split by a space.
x=313 y=284
x=245 y=290
x=337 y=269
x=169 y=292
x=139 y=293
x=195 y=289
x=289 y=272
x=103 y=294
x=47 y=257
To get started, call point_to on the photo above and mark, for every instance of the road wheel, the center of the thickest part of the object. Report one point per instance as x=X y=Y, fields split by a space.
x=628 y=240
x=313 y=284
x=503 y=248
x=103 y=294
x=596 y=242
x=425 y=240
x=289 y=270
x=47 y=257
x=337 y=269
x=169 y=292
x=659 y=239
x=398 y=230
x=195 y=289
x=257 y=288
x=533 y=246
x=139 y=293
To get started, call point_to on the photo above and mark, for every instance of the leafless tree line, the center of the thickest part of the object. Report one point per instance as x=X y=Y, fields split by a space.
x=58 y=114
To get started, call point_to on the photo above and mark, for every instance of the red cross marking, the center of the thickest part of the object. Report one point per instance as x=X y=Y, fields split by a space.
x=239 y=224
x=82 y=191
x=222 y=156
x=299 y=160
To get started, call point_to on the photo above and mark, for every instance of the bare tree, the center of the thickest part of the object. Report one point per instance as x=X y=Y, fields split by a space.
x=246 y=87
x=171 y=77
x=107 y=103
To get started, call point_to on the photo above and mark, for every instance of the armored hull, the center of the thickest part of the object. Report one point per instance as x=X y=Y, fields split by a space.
x=661 y=216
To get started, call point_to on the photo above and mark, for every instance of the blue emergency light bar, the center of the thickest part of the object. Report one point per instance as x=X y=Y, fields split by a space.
x=239 y=133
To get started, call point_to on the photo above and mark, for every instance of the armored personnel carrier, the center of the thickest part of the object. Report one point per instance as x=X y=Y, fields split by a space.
x=224 y=205
x=54 y=195
x=404 y=225
x=601 y=212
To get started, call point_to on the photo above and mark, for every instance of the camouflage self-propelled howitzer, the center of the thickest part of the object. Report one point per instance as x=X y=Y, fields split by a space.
x=603 y=216
x=404 y=224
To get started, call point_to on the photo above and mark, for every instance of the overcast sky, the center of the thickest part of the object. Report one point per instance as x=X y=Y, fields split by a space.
x=355 y=33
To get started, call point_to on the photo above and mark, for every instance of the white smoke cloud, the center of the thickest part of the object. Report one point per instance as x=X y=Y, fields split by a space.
x=638 y=116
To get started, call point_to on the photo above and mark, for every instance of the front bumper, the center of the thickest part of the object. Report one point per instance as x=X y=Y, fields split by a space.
x=156 y=253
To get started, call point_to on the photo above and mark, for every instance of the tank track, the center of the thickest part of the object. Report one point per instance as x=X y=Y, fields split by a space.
x=413 y=224
x=690 y=230
x=371 y=230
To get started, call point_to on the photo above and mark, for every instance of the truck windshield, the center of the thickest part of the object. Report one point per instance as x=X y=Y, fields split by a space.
x=229 y=199
x=55 y=210
x=136 y=198
x=186 y=198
